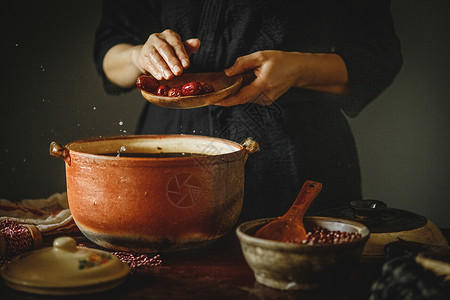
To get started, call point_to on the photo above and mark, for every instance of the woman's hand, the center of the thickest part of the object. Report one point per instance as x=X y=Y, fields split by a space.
x=278 y=71
x=164 y=55
x=274 y=73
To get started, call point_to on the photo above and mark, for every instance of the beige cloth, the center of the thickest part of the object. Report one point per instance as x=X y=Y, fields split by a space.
x=50 y=216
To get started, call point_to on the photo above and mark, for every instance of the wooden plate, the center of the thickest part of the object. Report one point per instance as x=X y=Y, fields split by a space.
x=225 y=86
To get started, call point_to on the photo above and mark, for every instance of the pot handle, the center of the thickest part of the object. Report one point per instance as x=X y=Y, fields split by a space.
x=60 y=151
x=250 y=146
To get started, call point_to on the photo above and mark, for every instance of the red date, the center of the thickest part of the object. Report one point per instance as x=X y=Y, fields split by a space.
x=197 y=88
x=192 y=88
x=151 y=85
x=147 y=83
x=175 y=92
x=207 y=88
x=163 y=90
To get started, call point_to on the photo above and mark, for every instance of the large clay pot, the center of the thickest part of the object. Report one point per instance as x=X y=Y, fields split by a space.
x=148 y=204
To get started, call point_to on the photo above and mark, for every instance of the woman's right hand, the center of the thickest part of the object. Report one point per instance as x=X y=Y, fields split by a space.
x=164 y=55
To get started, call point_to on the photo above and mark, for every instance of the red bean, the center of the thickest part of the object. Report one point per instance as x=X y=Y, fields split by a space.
x=147 y=83
x=321 y=235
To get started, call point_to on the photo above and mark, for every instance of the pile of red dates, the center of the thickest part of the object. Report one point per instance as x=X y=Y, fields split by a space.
x=151 y=85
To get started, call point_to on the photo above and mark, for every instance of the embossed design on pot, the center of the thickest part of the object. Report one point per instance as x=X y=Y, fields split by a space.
x=184 y=190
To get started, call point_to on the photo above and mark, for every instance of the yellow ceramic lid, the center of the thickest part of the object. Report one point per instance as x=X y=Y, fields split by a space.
x=64 y=269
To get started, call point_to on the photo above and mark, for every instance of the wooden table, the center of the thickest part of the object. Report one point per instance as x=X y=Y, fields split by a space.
x=218 y=271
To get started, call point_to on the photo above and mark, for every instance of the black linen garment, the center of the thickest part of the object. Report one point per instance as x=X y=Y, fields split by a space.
x=304 y=134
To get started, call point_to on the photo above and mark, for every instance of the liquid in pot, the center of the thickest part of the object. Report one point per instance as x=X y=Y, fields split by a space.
x=153 y=155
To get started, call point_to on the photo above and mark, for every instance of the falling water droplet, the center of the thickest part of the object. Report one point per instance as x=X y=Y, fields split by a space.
x=122 y=149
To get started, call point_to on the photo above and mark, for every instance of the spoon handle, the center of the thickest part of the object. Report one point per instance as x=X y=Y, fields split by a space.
x=308 y=193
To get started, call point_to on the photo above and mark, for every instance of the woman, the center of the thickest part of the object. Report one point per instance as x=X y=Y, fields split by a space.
x=311 y=61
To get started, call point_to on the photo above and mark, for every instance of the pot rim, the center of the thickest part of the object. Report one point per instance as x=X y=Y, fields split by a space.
x=236 y=148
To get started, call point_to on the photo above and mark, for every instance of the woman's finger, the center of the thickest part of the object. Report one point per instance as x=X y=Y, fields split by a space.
x=245 y=63
x=249 y=93
x=191 y=46
x=159 y=62
x=171 y=64
x=150 y=67
x=161 y=52
x=174 y=52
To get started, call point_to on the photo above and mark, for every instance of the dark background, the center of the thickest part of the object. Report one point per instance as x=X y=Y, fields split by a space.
x=50 y=91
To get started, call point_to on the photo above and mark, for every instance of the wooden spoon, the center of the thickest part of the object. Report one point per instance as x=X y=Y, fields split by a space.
x=289 y=228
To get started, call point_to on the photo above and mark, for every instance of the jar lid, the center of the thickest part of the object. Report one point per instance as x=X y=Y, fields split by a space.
x=64 y=269
x=387 y=225
x=377 y=216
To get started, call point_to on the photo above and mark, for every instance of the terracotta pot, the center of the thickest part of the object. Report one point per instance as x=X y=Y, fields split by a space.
x=148 y=204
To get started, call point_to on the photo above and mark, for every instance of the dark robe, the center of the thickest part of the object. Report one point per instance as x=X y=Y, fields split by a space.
x=304 y=134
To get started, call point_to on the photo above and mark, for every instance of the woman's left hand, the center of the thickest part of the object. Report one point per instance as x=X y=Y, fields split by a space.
x=278 y=71
x=275 y=71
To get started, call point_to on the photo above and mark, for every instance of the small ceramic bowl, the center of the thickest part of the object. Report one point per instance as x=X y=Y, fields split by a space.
x=289 y=266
